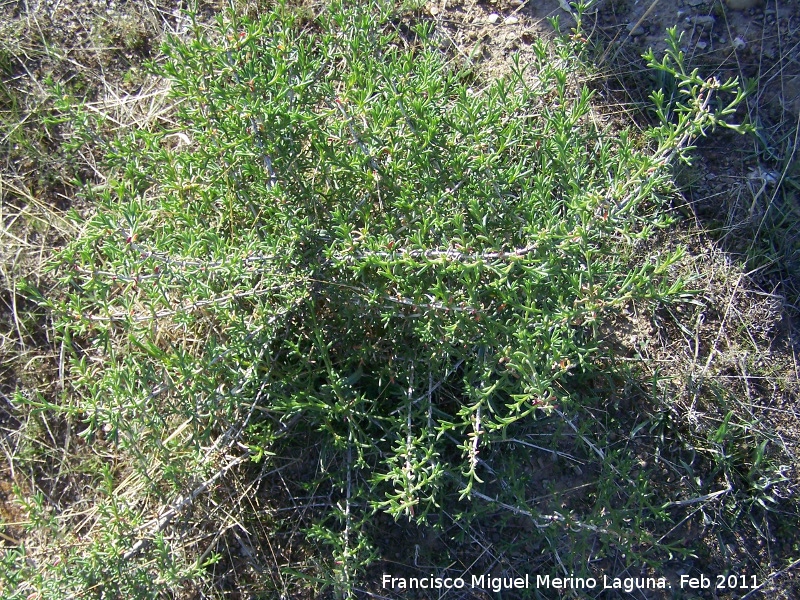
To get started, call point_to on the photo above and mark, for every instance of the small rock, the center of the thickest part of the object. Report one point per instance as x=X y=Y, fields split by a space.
x=493 y=18
x=702 y=45
x=511 y=20
x=517 y=3
x=791 y=95
x=742 y=4
x=702 y=21
x=635 y=30
x=738 y=43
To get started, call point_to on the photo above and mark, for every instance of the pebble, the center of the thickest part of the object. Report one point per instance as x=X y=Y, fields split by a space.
x=493 y=18
x=635 y=31
x=742 y=4
x=511 y=20
x=702 y=20
x=701 y=45
x=738 y=43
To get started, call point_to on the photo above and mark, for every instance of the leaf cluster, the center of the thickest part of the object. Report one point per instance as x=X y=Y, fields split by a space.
x=342 y=228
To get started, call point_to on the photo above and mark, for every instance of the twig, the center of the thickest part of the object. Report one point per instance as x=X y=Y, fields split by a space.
x=452 y=255
x=179 y=505
x=698 y=499
x=770 y=577
x=542 y=448
x=548 y=519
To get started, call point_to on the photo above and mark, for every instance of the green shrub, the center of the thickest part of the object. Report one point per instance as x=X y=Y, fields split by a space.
x=343 y=230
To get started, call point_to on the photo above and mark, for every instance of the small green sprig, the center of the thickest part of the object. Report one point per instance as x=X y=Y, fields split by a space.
x=695 y=105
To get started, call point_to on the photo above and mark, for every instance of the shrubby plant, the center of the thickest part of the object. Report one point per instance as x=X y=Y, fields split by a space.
x=344 y=230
